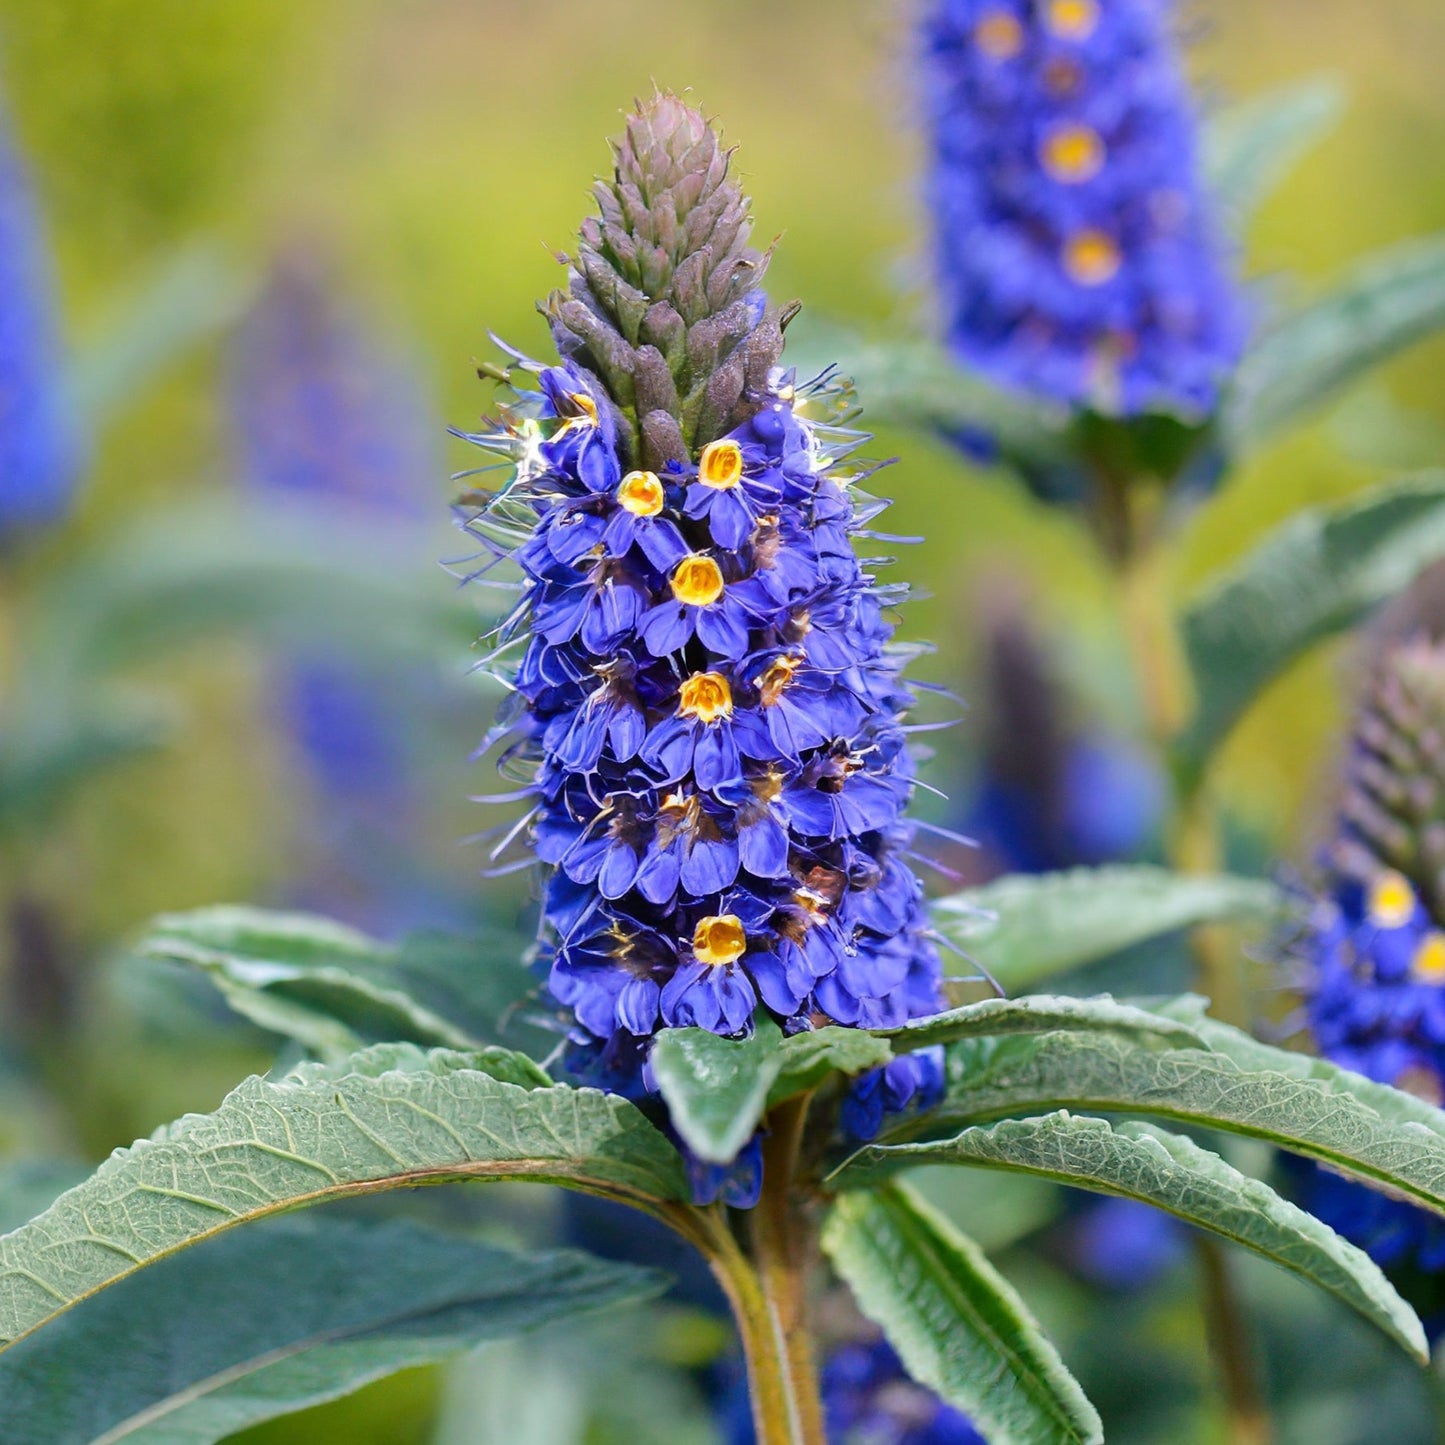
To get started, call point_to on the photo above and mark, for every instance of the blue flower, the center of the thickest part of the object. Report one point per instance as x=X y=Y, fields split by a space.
x=720 y=784
x=707 y=713
x=1074 y=254
x=913 y=1083
x=41 y=453
x=324 y=412
x=1375 y=1001
x=867 y=1397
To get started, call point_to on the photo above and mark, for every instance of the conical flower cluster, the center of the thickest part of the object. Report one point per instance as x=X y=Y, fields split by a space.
x=40 y=451
x=707 y=710
x=664 y=309
x=1375 y=948
x=1073 y=251
x=1377 y=1003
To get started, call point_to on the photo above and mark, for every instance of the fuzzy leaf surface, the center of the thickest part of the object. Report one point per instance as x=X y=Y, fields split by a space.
x=1024 y=928
x=272 y=1319
x=1251 y=147
x=716 y=1089
x=808 y=1058
x=1312 y=1107
x=391 y=1117
x=1135 y=1161
x=1311 y=578
x=334 y=989
x=1388 y=302
x=1040 y=1014
x=956 y=1323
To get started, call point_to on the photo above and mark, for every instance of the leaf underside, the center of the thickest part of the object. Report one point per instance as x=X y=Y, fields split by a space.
x=392 y=1117
x=1136 y=1161
x=957 y=1324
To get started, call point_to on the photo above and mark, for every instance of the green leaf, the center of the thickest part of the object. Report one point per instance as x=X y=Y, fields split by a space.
x=914 y=382
x=1026 y=927
x=29 y=1185
x=391 y=1117
x=314 y=1308
x=1393 y=1105
x=1311 y=578
x=1038 y=1014
x=808 y=1058
x=955 y=1321
x=329 y=987
x=295 y=572
x=1251 y=147
x=1308 y=1106
x=1136 y=1161
x=716 y=1089
x=1387 y=303
x=193 y=294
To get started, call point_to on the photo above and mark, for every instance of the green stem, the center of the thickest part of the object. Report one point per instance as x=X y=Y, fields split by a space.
x=767 y=1286
x=1249 y=1422
x=1193 y=847
x=781 y=1367
x=1164 y=686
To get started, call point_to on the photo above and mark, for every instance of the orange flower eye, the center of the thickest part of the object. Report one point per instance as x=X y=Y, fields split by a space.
x=586 y=411
x=1428 y=964
x=1073 y=153
x=719 y=939
x=778 y=675
x=721 y=465
x=1391 y=900
x=641 y=494
x=705 y=696
x=1073 y=19
x=999 y=35
x=1091 y=258
x=697 y=581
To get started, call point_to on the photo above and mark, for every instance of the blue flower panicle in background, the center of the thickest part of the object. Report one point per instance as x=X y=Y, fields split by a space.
x=1073 y=251
x=323 y=408
x=708 y=719
x=40 y=440
x=327 y=413
x=1374 y=948
x=1049 y=794
x=868 y=1398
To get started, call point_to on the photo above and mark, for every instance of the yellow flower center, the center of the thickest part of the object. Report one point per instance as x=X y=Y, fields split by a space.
x=1428 y=964
x=1073 y=19
x=697 y=581
x=1391 y=901
x=999 y=35
x=721 y=465
x=767 y=786
x=705 y=696
x=586 y=412
x=778 y=675
x=1091 y=258
x=641 y=494
x=1073 y=153
x=719 y=938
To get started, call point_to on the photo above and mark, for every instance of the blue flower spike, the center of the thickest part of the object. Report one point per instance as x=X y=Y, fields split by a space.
x=708 y=713
x=41 y=452
x=1075 y=254
x=1374 y=950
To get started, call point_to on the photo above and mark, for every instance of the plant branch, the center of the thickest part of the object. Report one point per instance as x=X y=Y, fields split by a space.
x=781 y=1367
x=1154 y=645
x=1228 y=1337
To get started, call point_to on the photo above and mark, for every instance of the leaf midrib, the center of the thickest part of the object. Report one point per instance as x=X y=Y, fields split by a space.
x=540 y=1171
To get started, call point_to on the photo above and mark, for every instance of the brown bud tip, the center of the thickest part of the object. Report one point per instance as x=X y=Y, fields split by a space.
x=665 y=282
